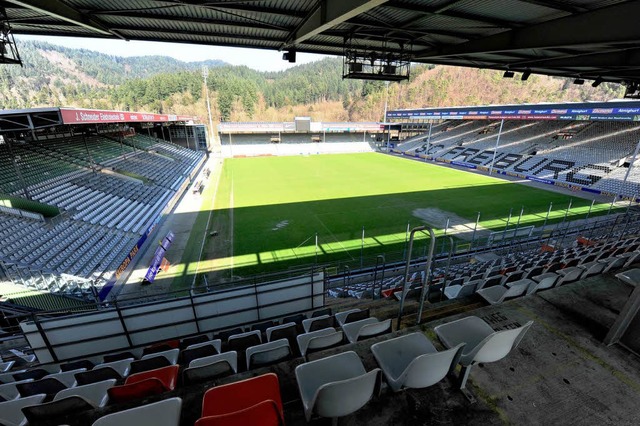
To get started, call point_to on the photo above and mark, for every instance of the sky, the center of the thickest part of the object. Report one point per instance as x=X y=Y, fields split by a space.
x=261 y=60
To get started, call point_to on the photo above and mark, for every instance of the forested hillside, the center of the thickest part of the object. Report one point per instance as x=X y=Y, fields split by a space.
x=55 y=75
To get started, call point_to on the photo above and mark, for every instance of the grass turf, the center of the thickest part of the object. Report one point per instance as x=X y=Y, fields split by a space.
x=273 y=208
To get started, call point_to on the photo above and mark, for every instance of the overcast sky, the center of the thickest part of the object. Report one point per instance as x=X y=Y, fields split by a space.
x=262 y=60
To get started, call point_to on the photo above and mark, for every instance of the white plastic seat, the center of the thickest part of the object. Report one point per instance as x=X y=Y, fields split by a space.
x=368 y=327
x=412 y=361
x=94 y=393
x=543 y=284
x=498 y=293
x=482 y=343
x=591 y=268
x=568 y=275
x=335 y=386
x=614 y=263
x=268 y=353
x=9 y=391
x=163 y=413
x=67 y=377
x=25 y=357
x=11 y=411
x=8 y=377
x=305 y=339
x=306 y=324
x=121 y=367
x=461 y=290
x=211 y=366
x=216 y=343
x=171 y=355
x=342 y=316
x=276 y=328
x=6 y=365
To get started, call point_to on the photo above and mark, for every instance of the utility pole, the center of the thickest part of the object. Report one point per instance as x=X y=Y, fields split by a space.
x=205 y=74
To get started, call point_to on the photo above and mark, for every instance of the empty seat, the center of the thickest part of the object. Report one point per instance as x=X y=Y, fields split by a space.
x=335 y=386
x=411 y=361
x=351 y=316
x=365 y=328
x=170 y=354
x=48 y=386
x=163 y=413
x=482 y=343
x=498 y=293
x=268 y=353
x=67 y=377
x=570 y=274
x=264 y=413
x=11 y=411
x=188 y=341
x=318 y=340
x=224 y=335
x=152 y=363
x=199 y=350
x=321 y=312
x=238 y=396
x=119 y=356
x=34 y=374
x=462 y=290
x=73 y=400
x=75 y=365
x=9 y=391
x=240 y=343
x=140 y=385
x=262 y=327
x=548 y=281
x=6 y=366
x=108 y=370
x=161 y=347
x=318 y=323
x=207 y=368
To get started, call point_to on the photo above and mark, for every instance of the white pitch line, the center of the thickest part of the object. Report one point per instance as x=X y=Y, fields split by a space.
x=231 y=223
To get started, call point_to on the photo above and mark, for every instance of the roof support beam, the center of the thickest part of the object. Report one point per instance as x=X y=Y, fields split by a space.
x=60 y=10
x=328 y=14
x=613 y=24
x=613 y=59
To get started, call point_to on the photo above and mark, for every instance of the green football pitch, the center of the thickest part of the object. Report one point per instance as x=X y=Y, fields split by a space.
x=270 y=211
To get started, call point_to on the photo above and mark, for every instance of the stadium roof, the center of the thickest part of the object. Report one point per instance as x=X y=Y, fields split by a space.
x=38 y=118
x=596 y=39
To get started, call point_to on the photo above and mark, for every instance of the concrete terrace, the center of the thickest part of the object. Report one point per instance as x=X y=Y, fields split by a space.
x=561 y=373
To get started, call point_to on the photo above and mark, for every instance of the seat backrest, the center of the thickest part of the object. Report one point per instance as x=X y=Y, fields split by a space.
x=428 y=369
x=97 y=375
x=118 y=357
x=35 y=374
x=163 y=413
x=237 y=396
x=49 y=386
x=11 y=411
x=268 y=353
x=498 y=344
x=284 y=331
x=188 y=341
x=262 y=326
x=211 y=367
x=357 y=316
x=241 y=342
x=321 y=312
x=337 y=399
x=189 y=355
x=94 y=392
x=320 y=323
x=324 y=342
x=294 y=318
x=137 y=390
x=167 y=375
x=224 y=335
x=264 y=413
x=74 y=365
x=148 y=364
x=56 y=408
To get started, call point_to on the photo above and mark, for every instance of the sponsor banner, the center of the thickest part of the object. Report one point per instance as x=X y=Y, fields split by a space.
x=158 y=256
x=93 y=116
x=461 y=164
x=535 y=179
x=104 y=291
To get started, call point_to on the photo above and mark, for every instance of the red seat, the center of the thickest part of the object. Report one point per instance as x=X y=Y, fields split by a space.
x=265 y=413
x=161 y=347
x=147 y=383
x=241 y=395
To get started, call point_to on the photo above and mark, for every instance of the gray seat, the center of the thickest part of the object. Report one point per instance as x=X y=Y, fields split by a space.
x=207 y=368
x=6 y=366
x=67 y=377
x=498 y=293
x=461 y=290
x=335 y=386
x=72 y=400
x=317 y=323
x=9 y=391
x=592 y=268
x=11 y=411
x=171 y=355
x=351 y=315
x=615 y=263
x=268 y=353
x=411 y=361
x=543 y=284
x=568 y=275
x=163 y=413
x=319 y=339
x=482 y=343
x=365 y=328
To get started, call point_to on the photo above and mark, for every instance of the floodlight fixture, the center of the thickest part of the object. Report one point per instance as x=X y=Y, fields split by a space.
x=508 y=74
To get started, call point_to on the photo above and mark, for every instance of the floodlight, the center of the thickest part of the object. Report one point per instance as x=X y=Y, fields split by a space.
x=508 y=74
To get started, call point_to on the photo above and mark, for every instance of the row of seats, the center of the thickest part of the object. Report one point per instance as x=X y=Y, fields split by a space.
x=332 y=386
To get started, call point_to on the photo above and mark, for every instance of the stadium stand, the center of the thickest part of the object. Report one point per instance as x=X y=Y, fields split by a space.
x=109 y=192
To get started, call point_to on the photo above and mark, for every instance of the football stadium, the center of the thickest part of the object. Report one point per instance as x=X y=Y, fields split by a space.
x=464 y=264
